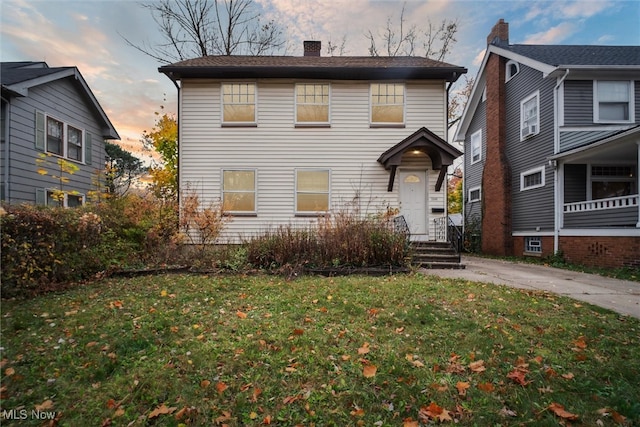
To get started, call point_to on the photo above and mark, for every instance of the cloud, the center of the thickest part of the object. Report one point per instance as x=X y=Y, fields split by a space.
x=554 y=35
x=479 y=57
x=582 y=9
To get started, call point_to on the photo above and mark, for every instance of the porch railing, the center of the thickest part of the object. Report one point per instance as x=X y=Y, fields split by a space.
x=602 y=204
x=400 y=226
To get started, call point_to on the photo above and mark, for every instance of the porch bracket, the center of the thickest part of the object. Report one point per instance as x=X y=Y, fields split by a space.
x=392 y=177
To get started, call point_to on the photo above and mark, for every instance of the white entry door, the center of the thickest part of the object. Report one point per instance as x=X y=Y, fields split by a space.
x=413 y=201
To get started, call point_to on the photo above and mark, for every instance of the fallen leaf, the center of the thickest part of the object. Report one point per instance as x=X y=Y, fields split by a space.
x=568 y=376
x=226 y=416
x=518 y=377
x=9 y=372
x=364 y=349
x=559 y=410
x=409 y=422
x=488 y=387
x=221 y=387
x=47 y=404
x=119 y=412
x=298 y=332
x=205 y=383
x=580 y=343
x=111 y=403
x=369 y=371
x=256 y=393
x=241 y=314
x=622 y=420
x=266 y=420
x=462 y=387
x=477 y=366
x=161 y=410
x=506 y=412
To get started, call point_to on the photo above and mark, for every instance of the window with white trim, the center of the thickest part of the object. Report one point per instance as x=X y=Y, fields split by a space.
x=387 y=103
x=239 y=191
x=476 y=146
x=533 y=245
x=613 y=181
x=533 y=178
x=64 y=140
x=512 y=68
x=312 y=190
x=65 y=199
x=530 y=116
x=613 y=101
x=312 y=103
x=239 y=103
x=474 y=194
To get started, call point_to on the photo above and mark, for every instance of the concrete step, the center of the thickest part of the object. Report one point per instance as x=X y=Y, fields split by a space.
x=434 y=255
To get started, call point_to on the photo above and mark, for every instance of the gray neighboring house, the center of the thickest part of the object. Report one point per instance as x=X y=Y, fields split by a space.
x=552 y=142
x=49 y=110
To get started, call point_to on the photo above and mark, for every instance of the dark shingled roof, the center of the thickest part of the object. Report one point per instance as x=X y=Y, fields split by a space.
x=334 y=67
x=557 y=55
x=16 y=72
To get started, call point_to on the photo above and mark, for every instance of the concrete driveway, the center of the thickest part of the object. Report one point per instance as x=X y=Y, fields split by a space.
x=621 y=296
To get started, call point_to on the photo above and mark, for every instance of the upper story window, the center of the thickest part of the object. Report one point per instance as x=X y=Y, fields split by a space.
x=613 y=101
x=387 y=103
x=476 y=146
x=312 y=191
x=60 y=138
x=532 y=178
x=530 y=116
x=513 y=68
x=239 y=191
x=312 y=103
x=238 y=103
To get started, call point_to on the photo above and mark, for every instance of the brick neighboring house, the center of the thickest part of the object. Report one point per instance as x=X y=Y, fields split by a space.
x=284 y=140
x=552 y=142
x=49 y=110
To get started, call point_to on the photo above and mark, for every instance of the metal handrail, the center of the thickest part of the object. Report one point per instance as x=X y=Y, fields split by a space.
x=400 y=226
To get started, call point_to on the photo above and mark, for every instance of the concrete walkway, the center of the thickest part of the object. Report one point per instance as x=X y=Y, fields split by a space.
x=621 y=296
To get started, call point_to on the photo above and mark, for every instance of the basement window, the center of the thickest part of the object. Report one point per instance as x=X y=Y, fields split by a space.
x=533 y=245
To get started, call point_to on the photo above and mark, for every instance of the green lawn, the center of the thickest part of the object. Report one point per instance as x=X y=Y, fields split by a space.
x=258 y=350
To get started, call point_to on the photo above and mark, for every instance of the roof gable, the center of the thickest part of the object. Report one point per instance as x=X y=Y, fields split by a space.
x=18 y=77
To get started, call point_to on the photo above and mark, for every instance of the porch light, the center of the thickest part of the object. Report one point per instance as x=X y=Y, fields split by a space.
x=416 y=151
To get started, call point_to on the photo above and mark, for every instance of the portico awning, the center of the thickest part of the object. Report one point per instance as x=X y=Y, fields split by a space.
x=441 y=153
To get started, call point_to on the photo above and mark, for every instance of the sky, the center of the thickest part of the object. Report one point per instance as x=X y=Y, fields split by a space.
x=90 y=34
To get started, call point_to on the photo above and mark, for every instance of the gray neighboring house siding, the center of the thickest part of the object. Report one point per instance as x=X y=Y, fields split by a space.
x=530 y=208
x=473 y=172
x=578 y=102
x=66 y=100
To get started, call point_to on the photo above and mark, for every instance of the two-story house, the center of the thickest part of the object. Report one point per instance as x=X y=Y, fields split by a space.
x=552 y=141
x=51 y=111
x=281 y=140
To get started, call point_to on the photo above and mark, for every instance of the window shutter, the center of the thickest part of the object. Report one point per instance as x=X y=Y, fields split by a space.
x=87 y=148
x=41 y=196
x=40 y=131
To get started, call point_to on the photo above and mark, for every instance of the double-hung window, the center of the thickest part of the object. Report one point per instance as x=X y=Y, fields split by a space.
x=239 y=103
x=476 y=146
x=613 y=101
x=239 y=191
x=530 y=116
x=532 y=178
x=60 y=138
x=387 y=104
x=312 y=191
x=312 y=104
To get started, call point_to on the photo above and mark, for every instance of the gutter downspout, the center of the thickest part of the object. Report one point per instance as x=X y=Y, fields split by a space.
x=558 y=211
x=175 y=83
x=7 y=127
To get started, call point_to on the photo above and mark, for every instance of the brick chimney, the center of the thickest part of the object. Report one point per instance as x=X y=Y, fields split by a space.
x=312 y=48
x=496 y=177
x=499 y=33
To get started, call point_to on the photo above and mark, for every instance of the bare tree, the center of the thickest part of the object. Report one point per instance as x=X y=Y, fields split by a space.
x=194 y=28
x=458 y=100
x=399 y=39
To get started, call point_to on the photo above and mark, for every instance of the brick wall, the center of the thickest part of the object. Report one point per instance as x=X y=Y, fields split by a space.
x=601 y=251
x=496 y=176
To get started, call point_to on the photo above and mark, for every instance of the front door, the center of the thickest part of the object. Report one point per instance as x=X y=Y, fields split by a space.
x=413 y=201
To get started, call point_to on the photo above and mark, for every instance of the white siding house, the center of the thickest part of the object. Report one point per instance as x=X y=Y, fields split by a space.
x=284 y=140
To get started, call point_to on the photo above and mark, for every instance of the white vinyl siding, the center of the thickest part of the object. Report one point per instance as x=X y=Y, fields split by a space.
x=530 y=116
x=276 y=149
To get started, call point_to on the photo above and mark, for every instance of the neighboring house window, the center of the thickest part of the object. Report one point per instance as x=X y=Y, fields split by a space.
x=312 y=103
x=533 y=245
x=613 y=101
x=74 y=143
x=67 y=200
x=533 y=178
x=312 y=190
x=239 y=103
x=387 y=103
x=61 y=139
x=476 y=146
x=530 y=116
x=613 y=181
x=513 y=68
x=239 y=191
x=474 y=194
x=55 y=136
